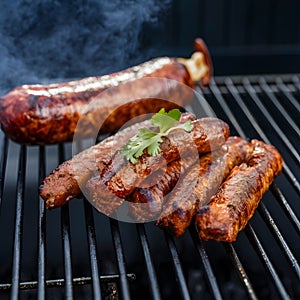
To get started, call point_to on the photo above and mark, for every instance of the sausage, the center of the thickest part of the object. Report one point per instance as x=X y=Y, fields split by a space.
x=98 y=193
x=230 y=209
x=66 y=181
x=123 y=177
x=202 y=180
x=146 y=203
x=48 y=114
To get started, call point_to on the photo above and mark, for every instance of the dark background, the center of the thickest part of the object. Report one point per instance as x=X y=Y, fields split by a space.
x=45 y=41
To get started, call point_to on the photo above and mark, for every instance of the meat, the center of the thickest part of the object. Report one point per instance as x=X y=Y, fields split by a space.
x=230 y=209
x=146 y=203
x=48 y=114
x=200 y=182
x=122 y=177
x=67 y=180
x=98 y=193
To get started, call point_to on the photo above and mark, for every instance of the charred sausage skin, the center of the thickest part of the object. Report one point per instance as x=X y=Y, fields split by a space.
x=64 y=183
x=67 y=180
x=122 y=177
x=230 y=209
x=48 y=114
x=181 y=206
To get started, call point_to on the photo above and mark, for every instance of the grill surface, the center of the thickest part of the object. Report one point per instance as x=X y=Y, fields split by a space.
x=76 y=252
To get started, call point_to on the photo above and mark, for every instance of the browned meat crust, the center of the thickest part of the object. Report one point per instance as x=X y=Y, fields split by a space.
x=66 y=181
x=202 y=180
x=146 y=203
x=98 y=192
x=122 y=177
x=47 y=114
x=230 y=209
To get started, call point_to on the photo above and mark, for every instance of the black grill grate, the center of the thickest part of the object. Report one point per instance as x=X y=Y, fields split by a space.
x=77 y=253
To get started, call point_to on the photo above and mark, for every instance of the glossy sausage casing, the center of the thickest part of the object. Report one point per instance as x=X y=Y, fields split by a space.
x=230 y=209
x=204 y=178
x=47 y=114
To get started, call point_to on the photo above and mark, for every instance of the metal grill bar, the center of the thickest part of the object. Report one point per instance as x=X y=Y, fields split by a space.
x=149 y=262
x=206 y=264
x=283 y=88
x=267 y=263
x=271 y=89
x=250 y=117
x=225 y=107
x=253 y=94
x=91 y=235
x=177 y=267
x=120 y=257
x=66 y=236
x=278 y=236
x=243 y=275
x=52 y=283
x=286 y=207
x=271 y=224
x=41 y=231
x=266 y=88
x=18 y=224
x=239 y=100
x=296 y=81
x=230 y=248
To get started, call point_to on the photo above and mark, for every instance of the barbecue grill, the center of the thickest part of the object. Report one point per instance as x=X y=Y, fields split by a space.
x=76 y=252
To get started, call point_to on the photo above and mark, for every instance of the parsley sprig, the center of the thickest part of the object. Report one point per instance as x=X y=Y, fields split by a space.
x=151 y=140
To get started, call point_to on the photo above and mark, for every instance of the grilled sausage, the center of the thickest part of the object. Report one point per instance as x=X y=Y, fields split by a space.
x=146 y=203
x=48 y=114
x=230 y=209
x=123 y=177
x=100 y=195
x=203 y=181
x=66 y=181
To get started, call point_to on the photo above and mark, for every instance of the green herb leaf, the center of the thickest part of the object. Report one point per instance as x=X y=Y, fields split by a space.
x=165 y=120
x=151 y=140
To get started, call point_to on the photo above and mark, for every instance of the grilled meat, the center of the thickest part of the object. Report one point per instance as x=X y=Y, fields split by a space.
x=146 y=203
x=122 y=177
x=66 y=181
x=48 y=114
x=230 y=209
x=99 y=194
x=201 y=181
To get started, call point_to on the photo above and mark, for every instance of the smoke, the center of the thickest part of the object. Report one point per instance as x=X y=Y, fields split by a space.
x=46 y=40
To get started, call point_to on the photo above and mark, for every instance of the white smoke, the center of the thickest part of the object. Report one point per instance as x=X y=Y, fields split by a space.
x=45 y=40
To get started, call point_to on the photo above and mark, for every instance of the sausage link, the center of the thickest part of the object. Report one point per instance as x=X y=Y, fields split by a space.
x=64 y=183
x=182 y=205
x=207 y=135
x=48 y=114
x=146 y=203
x=230 y=209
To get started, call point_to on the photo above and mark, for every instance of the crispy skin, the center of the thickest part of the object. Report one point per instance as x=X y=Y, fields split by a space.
x=182 y=206
x=122 y=177
x=66 y=181
x=48 y=114
x=101 y=196
x=146 y=202
x=230 y=209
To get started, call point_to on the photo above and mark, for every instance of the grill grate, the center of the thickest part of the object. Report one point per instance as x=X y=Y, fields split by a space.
x=78 y=253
